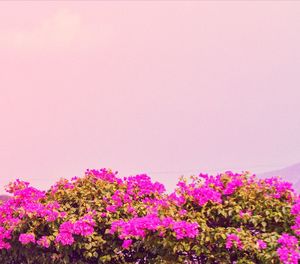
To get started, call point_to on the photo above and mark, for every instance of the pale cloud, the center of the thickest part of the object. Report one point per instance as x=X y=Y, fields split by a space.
x=56 y=32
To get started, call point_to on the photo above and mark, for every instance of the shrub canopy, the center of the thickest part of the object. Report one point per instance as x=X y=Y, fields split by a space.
x=100 y=218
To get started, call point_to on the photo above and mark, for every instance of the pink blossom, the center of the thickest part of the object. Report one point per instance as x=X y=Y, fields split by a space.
x=261 y=244
x=127 y=243
x=288 y=251
x=234 y=183
x=44 y=242
x=83 y=228
x=233 y=239
x=65 y=238
x=27 y=238
x=182 y=212
x=66 y=227
x=111 y=208
x=139 y=226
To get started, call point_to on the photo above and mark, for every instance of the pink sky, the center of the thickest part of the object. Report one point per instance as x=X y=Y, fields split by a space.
x=165 y=88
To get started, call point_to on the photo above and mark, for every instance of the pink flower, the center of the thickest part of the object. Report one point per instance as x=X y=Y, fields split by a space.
x=182 y=212
x=185 y=229
x=288 y=240
x=44 y=242
x=83 y=228
x=231 y=186
x=66 y=227
x=261 y=244
x=4 y=245
x=233 y=239
x=296 y=226
x=65 y=238
x=139 y=226
x=296 y=208
x=127 y=243
x=288 y=251
x=279 y=187
x=27 y=238
x=111 y=208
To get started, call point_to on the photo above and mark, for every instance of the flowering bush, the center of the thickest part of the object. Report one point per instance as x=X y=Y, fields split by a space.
x=101 y=218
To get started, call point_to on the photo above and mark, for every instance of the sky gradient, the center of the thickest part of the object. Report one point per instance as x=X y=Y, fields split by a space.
x=164 y=88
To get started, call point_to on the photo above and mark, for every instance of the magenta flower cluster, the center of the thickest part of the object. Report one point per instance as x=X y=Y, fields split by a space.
x=44 y=242
x=27 y=238
x=24 y=204
x=233 y=240
x=200 y=194
x=280 y=188
x=138 y=227
x=288 y=251
x=136 y=187
x=296 y=212
x=104 y=174
x=83 y=227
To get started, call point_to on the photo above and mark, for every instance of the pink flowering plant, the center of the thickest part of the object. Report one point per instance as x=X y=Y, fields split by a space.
x=101 y=218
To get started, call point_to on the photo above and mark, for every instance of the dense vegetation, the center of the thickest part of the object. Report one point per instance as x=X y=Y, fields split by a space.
x=100 y=218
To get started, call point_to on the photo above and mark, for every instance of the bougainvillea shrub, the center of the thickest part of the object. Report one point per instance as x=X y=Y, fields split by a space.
x=101 y=218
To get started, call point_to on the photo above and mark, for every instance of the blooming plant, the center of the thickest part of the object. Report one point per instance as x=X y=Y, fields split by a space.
x=101 y=218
